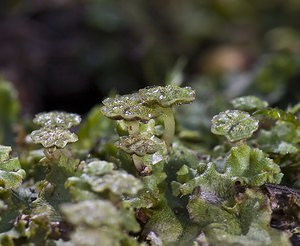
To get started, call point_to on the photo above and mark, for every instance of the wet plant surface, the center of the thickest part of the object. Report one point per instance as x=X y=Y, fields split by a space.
x=127 y=175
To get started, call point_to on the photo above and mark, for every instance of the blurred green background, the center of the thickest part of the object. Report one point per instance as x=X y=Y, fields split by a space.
x=69 y=54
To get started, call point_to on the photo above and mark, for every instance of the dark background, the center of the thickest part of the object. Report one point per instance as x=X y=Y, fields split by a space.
x=68 y=54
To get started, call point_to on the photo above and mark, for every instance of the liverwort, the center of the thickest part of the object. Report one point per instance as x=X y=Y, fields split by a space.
x=11 y=172
x=138 y=111
x=248 y=103
x=235 y=125
x=163 y=99
x=137 y=147
x=56 y=118
x=54 y=131
x=53 y=137
x=128 y=108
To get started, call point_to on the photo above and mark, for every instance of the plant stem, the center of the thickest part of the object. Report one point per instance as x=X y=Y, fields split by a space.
x=169 y=125
x=134 y=129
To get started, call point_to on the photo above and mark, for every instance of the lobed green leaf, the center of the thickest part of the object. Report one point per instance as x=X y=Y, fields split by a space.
x=57 y=119
x=234 y=125
x=96 y=167
x=53 y=137
x=138 y=145
x=277 y=114
x=253 y=165
x=117 y=182
x=282 y=138
x=92 y=213
x=248 y=103
x=167 y=96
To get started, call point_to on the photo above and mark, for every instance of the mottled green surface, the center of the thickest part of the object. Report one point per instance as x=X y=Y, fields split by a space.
x=11 y=173
x=283 y=138
x=135 y=189
x=127 y=107
x=117 y=182
x=96 y=167
x=252 y=165
x=53 y=137
x=167 y=96
x=277 y=114
x=99 y=177
x=4 y=152
x=248 y=103
x=121 y=101
x=234 y=125
x=247 y=223
x=138 y=145
x=56 y=118
x=127 y=112
x=12 y=177
x=92 y=213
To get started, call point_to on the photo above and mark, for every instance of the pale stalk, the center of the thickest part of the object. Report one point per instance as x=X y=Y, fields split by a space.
x=134 y=129
x=169 y=126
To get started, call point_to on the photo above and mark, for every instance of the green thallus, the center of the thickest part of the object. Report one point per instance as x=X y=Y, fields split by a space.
x=152 y=103
x=54 y=131
x=149 y=103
